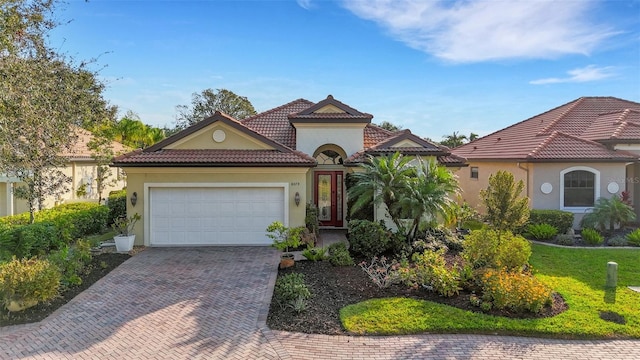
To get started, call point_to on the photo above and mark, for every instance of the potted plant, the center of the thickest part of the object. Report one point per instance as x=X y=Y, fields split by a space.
x=123 y=227
x=283 y=239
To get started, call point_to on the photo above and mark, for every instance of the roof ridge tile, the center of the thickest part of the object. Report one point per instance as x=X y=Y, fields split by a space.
x=561 y=116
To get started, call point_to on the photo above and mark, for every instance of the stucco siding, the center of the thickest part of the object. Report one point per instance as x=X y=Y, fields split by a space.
x=232 y=139
x=471 y=187
x=294 y=178
x=349 y=138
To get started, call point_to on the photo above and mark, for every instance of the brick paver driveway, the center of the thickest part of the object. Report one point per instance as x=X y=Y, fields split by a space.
x=211 y=303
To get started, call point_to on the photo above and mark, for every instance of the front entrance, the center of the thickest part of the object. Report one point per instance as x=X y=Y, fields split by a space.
x=329 y=197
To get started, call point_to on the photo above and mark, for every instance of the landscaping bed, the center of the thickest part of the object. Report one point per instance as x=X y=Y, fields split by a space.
x=334 y=287
x=99 y=266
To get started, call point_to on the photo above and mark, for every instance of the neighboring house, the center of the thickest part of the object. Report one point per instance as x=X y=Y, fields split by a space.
x=567 y=157
x=81 y=169
x=223 y=181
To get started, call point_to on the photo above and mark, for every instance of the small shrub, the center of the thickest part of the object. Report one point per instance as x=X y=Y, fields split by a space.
x=430 y=270
x=516 y=291
x=71 y=261
x=565 y=240
x=311 y=218
x=29 y=240
x=28 y=280
x=592 y=236
x=368 y=238
x=542 y=231
x=494 y=249
x=634 y=237
x=381 y=272
x=472 y=225
x=561 y=220
x=290 y=288
x=284 y=237
x=117 y=204
x=339 y=255
x=436 y=239
x=315 y=254
x=617 y=241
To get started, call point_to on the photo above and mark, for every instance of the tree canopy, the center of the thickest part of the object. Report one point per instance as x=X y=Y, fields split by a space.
x=43 y=96
x=207 y=102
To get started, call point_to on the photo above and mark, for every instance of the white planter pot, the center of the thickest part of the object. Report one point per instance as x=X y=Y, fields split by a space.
x=124 y=243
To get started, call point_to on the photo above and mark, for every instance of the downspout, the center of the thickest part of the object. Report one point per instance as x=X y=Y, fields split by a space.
x=527 y=182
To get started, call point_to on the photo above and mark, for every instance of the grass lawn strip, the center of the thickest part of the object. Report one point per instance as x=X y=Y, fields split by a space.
x=577 y=274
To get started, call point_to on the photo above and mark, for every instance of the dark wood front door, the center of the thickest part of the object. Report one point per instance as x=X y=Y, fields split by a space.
x=329 y=197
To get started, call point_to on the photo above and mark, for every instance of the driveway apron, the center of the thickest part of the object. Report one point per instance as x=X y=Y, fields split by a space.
x=164 y=303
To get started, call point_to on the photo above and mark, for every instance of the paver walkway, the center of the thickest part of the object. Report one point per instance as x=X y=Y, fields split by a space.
x=211 y=303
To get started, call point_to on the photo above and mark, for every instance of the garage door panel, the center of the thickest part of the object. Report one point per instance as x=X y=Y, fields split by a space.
x=213 y=216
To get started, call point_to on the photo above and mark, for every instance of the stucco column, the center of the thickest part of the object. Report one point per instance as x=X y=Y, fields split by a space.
x=9 y=189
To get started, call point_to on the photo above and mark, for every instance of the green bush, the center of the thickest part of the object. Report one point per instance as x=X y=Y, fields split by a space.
x=429 y=269
x=117 y=204
x=28 y=280
x=71 y=261
x=472 y=225
x=617 y=241
x=290 y=288
x=29 y=240
x=516 y=291
x=542 y=231
x=494 y=249
x=592 y=236
x=315 y=254
x=634 y=237
x=368 y=238
x=561 y=220
x=339 y=255
x=565 y=240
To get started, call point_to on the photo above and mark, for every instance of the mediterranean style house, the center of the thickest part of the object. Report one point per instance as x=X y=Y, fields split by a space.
x=568 y=157
x=223 y=181
x=81 y=168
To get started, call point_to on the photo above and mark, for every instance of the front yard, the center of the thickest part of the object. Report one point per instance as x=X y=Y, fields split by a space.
x=344 y=300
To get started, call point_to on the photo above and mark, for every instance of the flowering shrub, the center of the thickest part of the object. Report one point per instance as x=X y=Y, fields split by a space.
x=381 y=272
x=519 y=292
x=430 y=271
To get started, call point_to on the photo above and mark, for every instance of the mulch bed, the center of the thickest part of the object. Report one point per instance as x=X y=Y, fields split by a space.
x=100 y=266
x=333 y=288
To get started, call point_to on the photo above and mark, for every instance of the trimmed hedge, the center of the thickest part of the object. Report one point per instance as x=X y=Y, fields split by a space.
x=52 y=229
x=117 y=203
x=561 y=220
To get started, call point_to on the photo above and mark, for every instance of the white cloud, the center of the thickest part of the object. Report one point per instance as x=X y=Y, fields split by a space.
x=305 y=4
x=585 y=74
x=485 y=30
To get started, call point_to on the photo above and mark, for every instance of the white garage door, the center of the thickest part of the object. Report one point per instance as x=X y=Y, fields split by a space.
x=213 y=216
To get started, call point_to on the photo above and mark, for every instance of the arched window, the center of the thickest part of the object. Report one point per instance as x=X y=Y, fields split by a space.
x=580 y=187
x=329 y=157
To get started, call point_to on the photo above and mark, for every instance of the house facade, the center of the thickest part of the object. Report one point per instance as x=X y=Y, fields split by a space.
x=223 y=181
x=80 y=168
x=568 y=157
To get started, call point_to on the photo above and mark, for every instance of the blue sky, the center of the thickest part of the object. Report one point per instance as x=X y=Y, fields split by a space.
x=431 y=66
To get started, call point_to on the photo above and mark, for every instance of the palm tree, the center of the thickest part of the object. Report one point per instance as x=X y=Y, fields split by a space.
x=612 y=211
x=453 y=140
x=429 y=194
x=384 y=180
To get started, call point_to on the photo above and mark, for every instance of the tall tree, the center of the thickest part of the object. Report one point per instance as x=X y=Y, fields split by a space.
x=506 y=210
x=206 y=103
x=43 y=96
x=389 y=126
x=453 y=140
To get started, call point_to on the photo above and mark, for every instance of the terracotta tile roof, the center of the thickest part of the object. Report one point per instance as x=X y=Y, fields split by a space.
x=573 y=126
x=374 y=134
x=214 y=158
x=81 y=150
x=619 y=125
x=347 y=115
x=274 y=123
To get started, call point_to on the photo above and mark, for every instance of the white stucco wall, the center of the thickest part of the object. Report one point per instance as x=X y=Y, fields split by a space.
x=348 y=136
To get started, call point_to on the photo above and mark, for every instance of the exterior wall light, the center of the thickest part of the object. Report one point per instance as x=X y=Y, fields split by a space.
x=134 y=198
x=296 y=198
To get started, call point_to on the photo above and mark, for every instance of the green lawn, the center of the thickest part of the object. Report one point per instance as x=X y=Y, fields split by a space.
x=577 y=274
